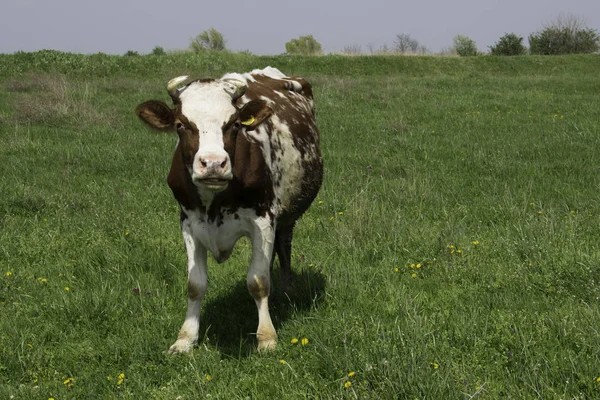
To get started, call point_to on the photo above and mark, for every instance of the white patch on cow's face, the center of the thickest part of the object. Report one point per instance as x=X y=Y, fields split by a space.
x=208 y=106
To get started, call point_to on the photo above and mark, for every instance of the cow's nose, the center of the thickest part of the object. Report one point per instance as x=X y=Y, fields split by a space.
x=213 y=163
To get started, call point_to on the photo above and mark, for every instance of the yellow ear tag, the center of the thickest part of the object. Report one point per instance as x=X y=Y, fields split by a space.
x=248 y=122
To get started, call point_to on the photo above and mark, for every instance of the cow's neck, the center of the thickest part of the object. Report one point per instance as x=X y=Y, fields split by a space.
x=206 y=197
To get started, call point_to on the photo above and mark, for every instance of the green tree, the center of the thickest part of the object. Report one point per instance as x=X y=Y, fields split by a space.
x=510 y=44
x=158 y=51
x=304 y=45
x=210 y=39
x=464 y=46
x=566 y=35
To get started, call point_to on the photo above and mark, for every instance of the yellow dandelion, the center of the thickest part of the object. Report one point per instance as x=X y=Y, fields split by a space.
x=351 y=374
x=396 y=269
x=282 y=362
x=434 y=365
x=414 y=275
x=126 y=233
x=412 y=265
x=459 y=251
x=341 y=213
x=8 y=273
x=320 y=202
x=304 y=341
x=331 y=219
x=109 y=378
x=539 y=212
x=68 y=382
x=475 y=242
x=43 y=280
x=121 y=378
x=67 y=288
x=450 y=246
x=294 y=340
x=208 y=378
x=51 y=398
x=598 y=379
x=347 y=384
x=418 y=266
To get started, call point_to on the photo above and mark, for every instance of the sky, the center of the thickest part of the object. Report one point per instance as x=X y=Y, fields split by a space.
x=263 y=27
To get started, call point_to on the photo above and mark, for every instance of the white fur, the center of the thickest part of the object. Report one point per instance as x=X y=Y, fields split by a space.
x=207 y=105
x=290 y=167
x=201 y=236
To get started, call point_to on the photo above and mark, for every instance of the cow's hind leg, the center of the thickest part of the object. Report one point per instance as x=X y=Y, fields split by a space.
x=258 y=281
x=196 y=288
x=283 y=247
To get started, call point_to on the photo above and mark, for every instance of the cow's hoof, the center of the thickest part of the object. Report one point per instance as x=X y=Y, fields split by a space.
x=181 y=346
x=269 y=344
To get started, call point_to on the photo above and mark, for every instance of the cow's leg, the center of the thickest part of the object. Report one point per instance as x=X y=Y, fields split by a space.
x=259 y=281
x=196 y=288
x=283 y=247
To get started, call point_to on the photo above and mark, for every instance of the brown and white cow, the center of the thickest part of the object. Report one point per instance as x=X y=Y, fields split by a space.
x=247 y=163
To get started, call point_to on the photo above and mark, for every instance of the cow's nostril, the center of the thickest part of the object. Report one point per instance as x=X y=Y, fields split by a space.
x=224 y=163
x=204 y=164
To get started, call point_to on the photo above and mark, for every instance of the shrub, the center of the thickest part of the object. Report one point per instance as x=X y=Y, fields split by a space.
x=554 y=41
x=210 y=39
x=158 y=51
x=567 y=34
x=131 y=53
x=465 y=46
x=304 y=45
x=510 y=44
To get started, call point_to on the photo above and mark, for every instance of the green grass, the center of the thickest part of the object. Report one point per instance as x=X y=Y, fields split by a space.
x=453 y=251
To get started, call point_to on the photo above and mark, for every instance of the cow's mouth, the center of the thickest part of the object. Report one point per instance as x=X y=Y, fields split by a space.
x=214 y=184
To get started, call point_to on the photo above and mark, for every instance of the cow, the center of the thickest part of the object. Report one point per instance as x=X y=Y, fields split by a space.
x=247 y=163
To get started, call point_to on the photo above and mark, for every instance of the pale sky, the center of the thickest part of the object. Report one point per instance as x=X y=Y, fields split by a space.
x=263 y=27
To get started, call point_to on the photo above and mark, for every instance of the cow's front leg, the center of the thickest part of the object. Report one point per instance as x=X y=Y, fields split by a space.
x=196 y=288
x=259 y=281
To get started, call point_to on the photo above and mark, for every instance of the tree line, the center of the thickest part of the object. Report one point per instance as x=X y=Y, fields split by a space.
x=565 y=35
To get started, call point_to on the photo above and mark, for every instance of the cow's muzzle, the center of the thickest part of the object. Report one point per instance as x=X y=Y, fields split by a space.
x=212 y=184
x=212 y=172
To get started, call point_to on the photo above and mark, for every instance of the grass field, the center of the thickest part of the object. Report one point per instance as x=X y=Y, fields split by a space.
x=452 y=253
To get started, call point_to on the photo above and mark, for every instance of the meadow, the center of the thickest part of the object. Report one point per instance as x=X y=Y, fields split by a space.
x=452 y=253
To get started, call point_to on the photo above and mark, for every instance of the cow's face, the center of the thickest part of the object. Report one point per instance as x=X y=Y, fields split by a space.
x=207 y=123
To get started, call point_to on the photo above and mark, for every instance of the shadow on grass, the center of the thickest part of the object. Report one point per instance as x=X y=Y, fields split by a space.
x=229 y=323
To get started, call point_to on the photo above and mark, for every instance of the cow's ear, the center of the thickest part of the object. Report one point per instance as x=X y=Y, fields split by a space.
x=156 y=114
x=253 y=114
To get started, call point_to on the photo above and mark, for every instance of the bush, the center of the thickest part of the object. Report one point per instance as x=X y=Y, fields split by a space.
x=304 y=45
x=465 y=46
x=131 y=53
x=210 y=39
x=510 y=44
x=158 y=51
x=556 y=40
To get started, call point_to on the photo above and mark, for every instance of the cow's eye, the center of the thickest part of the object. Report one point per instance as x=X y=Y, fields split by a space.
x=237 y=125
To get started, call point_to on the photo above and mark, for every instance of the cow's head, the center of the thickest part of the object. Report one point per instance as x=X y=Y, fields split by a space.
x=207 y=121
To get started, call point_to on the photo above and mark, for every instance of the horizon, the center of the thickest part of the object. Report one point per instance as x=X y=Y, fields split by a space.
x=118 y=27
